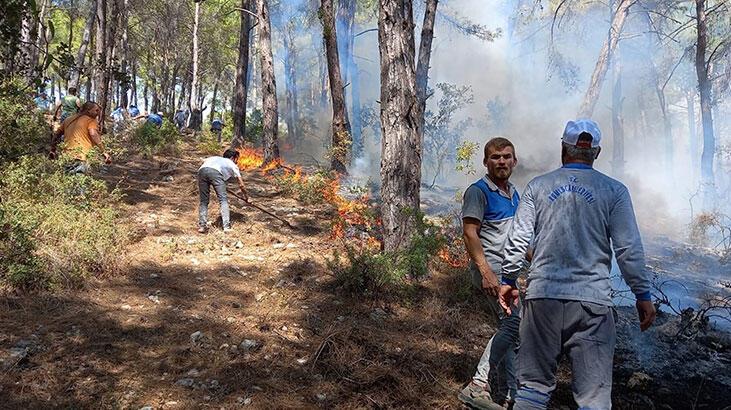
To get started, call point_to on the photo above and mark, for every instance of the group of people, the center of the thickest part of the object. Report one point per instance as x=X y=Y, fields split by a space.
x=563 y=231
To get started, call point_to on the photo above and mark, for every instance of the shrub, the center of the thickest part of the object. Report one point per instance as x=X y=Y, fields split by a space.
x=153 y=140
x=310 y=189
x=367 y=269
x=22 y=129
x=208 y=144
x=55 y=229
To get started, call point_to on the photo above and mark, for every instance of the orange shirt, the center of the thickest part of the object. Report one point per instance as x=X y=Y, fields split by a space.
x=76 y=136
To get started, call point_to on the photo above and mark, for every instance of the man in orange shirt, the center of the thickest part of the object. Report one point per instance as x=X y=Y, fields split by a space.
x=80 y=135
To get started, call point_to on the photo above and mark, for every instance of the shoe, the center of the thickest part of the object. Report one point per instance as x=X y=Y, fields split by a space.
x=477 y=397
x=202 y=229
x=228 y=229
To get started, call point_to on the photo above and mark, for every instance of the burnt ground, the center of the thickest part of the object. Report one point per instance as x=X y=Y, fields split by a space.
x=254 y=319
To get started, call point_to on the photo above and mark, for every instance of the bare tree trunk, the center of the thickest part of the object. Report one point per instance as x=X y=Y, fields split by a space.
x=270 y=114
x=241 y=86
x=400 y=124
x=101 y=58
x=195 y=120
x=600 y=70
x=124 y=100
x=704 y=87
x=422 y=66
x=340 y=126
x=212 y=114
x=692 y=134
x=617 y=119
x=290 y=82
x=81 y=54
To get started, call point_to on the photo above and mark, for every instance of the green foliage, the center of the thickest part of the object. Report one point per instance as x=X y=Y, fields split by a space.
x=22 y=129
x=208 y=143
x=368 y=270
x=309 y=189
x=55 y=229
x=442 y=130
x=463 y=160
x=254 y=126
x=153 y=140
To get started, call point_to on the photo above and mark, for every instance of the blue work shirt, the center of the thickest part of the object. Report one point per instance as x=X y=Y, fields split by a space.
x=155 y=119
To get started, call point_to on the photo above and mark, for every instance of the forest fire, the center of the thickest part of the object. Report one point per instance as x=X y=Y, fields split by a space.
x=249 y=158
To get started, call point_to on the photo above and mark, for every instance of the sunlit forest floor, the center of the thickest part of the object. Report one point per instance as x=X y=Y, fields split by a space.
x=253 y=318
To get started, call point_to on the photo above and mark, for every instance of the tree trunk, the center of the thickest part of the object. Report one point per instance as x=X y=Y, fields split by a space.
x=124 y=100
x=704 y=87
x=195 y=120
x=340 y=126
x=692 y=134
x=81 y=54
x=605 y=55
x=270 y=114
x=422 y=66
x=400 y=124
x=212 y=114
x=101 y=58
x=617 y=119
x=290 y=82
x=242 y=68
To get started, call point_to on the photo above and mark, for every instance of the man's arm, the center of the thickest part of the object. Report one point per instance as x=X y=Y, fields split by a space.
x=470 y=234
x=55 y=112
x=630 y=255
x=55 y=137
x=96 y=139
x=516 y=247
x=241 y=187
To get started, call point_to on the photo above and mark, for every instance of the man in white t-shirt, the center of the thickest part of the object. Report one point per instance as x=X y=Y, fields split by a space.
x=216 y=171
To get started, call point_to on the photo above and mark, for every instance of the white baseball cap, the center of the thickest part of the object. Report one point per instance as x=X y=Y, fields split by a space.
x=575 y=128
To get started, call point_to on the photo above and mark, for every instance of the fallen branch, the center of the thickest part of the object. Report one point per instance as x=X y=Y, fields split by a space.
x=270 y=213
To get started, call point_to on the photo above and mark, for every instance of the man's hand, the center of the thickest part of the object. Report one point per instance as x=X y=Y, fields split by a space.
x=244 y=195
x=508 y=297
x=646 y=313
x=490 y=284
x=107 y=158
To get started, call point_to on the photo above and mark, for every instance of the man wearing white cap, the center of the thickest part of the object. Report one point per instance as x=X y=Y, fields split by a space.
x=573 y=217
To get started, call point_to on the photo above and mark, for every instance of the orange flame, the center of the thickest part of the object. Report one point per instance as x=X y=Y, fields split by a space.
x=446 y=256
x=249 y=159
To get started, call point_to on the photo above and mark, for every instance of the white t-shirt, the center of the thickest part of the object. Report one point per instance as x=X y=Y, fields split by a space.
x=225 y=166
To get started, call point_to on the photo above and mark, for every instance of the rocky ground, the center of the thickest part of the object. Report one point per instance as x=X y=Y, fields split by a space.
x=253 y=319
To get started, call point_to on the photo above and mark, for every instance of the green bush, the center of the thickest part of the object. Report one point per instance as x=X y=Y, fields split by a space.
x=153 y=140
x=309 y=189
x=208 y=144
x=22 y=129
x=364 y=269
x=55 y=229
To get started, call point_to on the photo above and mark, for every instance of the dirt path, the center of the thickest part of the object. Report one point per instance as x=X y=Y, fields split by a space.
x=251 y=318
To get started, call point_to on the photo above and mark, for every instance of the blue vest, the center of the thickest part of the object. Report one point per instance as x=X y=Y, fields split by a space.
x=498 y=206
x=155 y=119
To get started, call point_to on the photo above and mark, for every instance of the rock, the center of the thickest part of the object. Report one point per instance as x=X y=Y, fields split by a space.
x=154 y=298
x=292 y=245
x=196 y=337
x=236 y=305
x=154 y=276
x=193 y=373
x=126 y=307
x=191 y=241
x=168 y=178
x=321 y=396
x=239 y=245
x=244 y=401
x=638 y=380
x=214 y=384
x=260 y=296
x=187 y=382
x=378 y=314
x=223 y=346
x=302 y=360
x=147 y=408
x=278 y=246
x=249 y=344
x=230 y=319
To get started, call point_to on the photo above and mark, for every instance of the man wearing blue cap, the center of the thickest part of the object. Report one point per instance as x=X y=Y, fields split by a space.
x=573 y=217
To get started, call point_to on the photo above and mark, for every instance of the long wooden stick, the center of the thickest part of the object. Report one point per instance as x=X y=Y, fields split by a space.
x=262 y=209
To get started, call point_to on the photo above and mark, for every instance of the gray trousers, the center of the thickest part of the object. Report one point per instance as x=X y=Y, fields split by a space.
x=583 y=331
x=498 y=359
x=206 y=178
